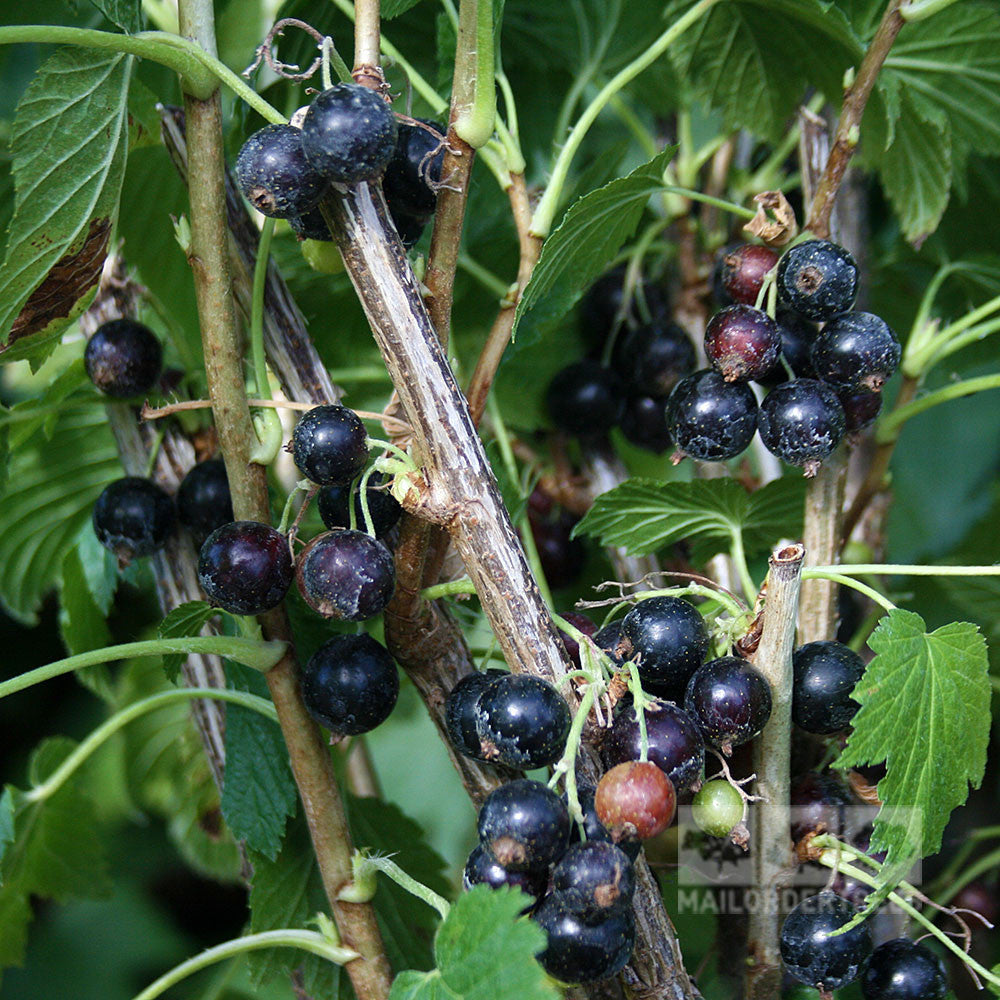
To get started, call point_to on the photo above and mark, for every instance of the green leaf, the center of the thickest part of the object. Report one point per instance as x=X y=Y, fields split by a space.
x=127 y=14
x=82 y=623
x=185 y=620
x=925 y=711
x=644 y=515
x=591 y=233
x=68 y=144
x=100 y=569
x=420 y=986
x=6 y=822
x=393 y=8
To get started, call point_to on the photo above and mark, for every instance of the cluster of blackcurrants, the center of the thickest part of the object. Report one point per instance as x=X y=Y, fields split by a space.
x=348 y=134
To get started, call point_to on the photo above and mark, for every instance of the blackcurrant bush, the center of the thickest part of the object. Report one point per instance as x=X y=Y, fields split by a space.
x=348 y=134
x=274 y=174
x=742 y=343
x=133 y=517
x=861 y=409
x=904 y=970
x=522 y=721
x=524 y=825
x=414 y=170
x=809 y=952
x=350 y=684
x=711 y=419
x=123 y=358
x=383 y=508
x=742 y=270
x=717 y=808
x=482 y=868
x=802 y=422
x=602 y=303
x=329 y=445
x=644 y=423
x=311 y=226
x=346 y=575
x=819 y=804
x=584 y=625
x=635 y=799
x=818 y=279
x=585 y=399
x=203 y=499
x=654 y=358
x=245 y=567
x=856 y=352
x=598 y=876
x=460 y=711
x=670 y=640
x=730 y=700
x=673 y=741
x=825 y=673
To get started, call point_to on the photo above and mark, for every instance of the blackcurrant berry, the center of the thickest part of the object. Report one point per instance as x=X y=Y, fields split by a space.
x=562 y=556
x=274 y=174
x=861 y=409
x=133 y=517
x=717 y=808
x=585 y=399
x=311 y=226
x=711 y=419
x=635 y=799
x=203 y=499
x=123 y=358
x=797 y=336
x=482 y=868
x=584 y=625
x=346 y=575
x=460 y=711
x=819 y=804
x=350 y=684
x=348 y=134
x=818 y=279
x=730 y=700
x=825 y=673
x=329 y=445
x=742 y=271
x=802 y=422
x=670 y=640
x=644 y=423
x=522 y=721
x=856 y=352
x=411 y=176
x=594 y=829
x=673 y=740
x=602 y=303
x=409 y=228
x=383 y=508
x=608 y=638
x=809 y=952
x=904 y=970
x=598 y=877
x=742 y=343
x=245 y=567
x=654 y=358
x=524 y=825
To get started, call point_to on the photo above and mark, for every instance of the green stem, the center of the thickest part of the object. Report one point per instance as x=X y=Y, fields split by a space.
x=720 y=203
x=919 y=354
x=971 y=336
x=106 y=730
x=889 y=426
x=311 y=941
x=896 y=569
x=566 y=765
x=484 y=276
x=256 y=655
x=267 y=423
x=824 y=573
x=475 y=109
x=986 y=863
x=919 y=10
x=541 y=223
x=452 y=587
x=738 y=554
x=639 y=706
x=410 y=884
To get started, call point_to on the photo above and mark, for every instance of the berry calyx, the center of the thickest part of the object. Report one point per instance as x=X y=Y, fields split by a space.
x=346 y=575
x=599 y=876
x=460 y=711
x=730 y=700
x=818 y=279
x=329 y=445
x=203 y=499
x=585 y=399
x=717 y=808
x=274 y=174
x=856 y=352
x=133 y=517
x=742 y=343
x=245 y=567
x=802 y=422
x=824 y=675
x=123 y=358
x=635 y=799
x=482 y=868
x=524 y=825
x=414 y=170
x=904 y=970
x=350 y=684
x=711 y=419
x=742 y=269
x=383 y=508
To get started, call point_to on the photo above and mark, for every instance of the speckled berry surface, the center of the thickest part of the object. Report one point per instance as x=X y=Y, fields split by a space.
x=818 y=279
x=414 y=169
x=274 y=174
x=522 y=721
x=123 y=358
x=133 y=517
x=742 y=270
x=711 y=419
x=824 y=675
x=802 y=422
x=856 y=352
x=329 y=445
x=668 y=637
x=245 y=567
x=600 y=875
x=730 y=700
x=203 y=499
x=524 y=825
x=808 y=951
x=460 y=711
x=742 y=343
x=346 y=575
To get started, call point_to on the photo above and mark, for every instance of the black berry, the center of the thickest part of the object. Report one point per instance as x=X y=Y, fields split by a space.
x=857 y=352
x=133 y=517
x=524 y=825
x=819 y=804
x=460 y=711
x=644 y=423
x=608 y=638
x=730 y=700
x=742 y=343
x=245 y=567
x=347 y=575
x=808 y=951
x=311 y=226
x=383 y=508
x=585 y=399
x=802 y=422
x=742 y=270
x=711 y=419
x=818 y=279
x=482 y=868
x=562 y=556
x=348 y=134
x=603 y=301
x=350 y=684
x=598 y=877
x=825 y=673
x=329 y=445
x=409 y=228
x=904 y=970
x=123 y=358
x=203 y=499
x=274 y=174
x=861 y=409
x=414 y=170
x=654 y=358
x=797 y=336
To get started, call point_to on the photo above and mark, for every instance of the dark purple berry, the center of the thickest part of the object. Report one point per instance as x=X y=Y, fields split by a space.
x=383 y=508
x=350 y=684
x=522 y=721
x=483 y=869
x=524 y=825
x=904 y=970
x=346 y=575
x=742 y=271
x=411 y=176
x=562 y=556
x=274 y=174
x=409 y=228
x=644 y=423
x=460 y=711
x=809 y=952
x=329 y=445
x=742 y=343
x=797 y=336
x=203 y=499
x=311 y=226
x=597 y=876
x=584 y=625
x=245 y=567
x=123 y=358
x=585 y=399
x=861 y=409
x=825 y=674
x=857 y=352
x=819 y=804
x=711 y=419
x=730 y=700
x=802 y=422
x=818 y=279
x=602 y=303
x=133 y=517
x=654 y=358
x=348 y=134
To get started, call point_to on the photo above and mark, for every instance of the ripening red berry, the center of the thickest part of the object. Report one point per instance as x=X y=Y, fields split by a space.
x=635 y=799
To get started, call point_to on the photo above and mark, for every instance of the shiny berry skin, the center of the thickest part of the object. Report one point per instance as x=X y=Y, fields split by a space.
x=825 y=673
x=584 y=625
x=482 y=868
x=819 y=804
x=635 y=799
x=524 y=825
x=797 y=336
x=644 y=423
x=346 y=575
x=522 y=721
x=811 y=955
x=602 y=303
x=350 y=684
x=594 y=829
x=654 y=358
x=245 y=567
x=415 y=168
x=384 y=509
x=669 y=637
x=311 y=226
x=578 y=952
x=861 y=409
x=597 y=877
x=329 y=445
x=203 y=499
x=409 y=228
x=856 y=352
x=585 y=399
x=274 y=174
x=673 y=739
x=133 y=517
x=904 y=970
x=742 y=270
x=123 y=358
x=717 y=808
x=818 y=279
x=742 y=343
x=802 y=422
x=607 y=639
x=730 y=700
x=711 y=419
x=348 y=134
x=460 y=711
